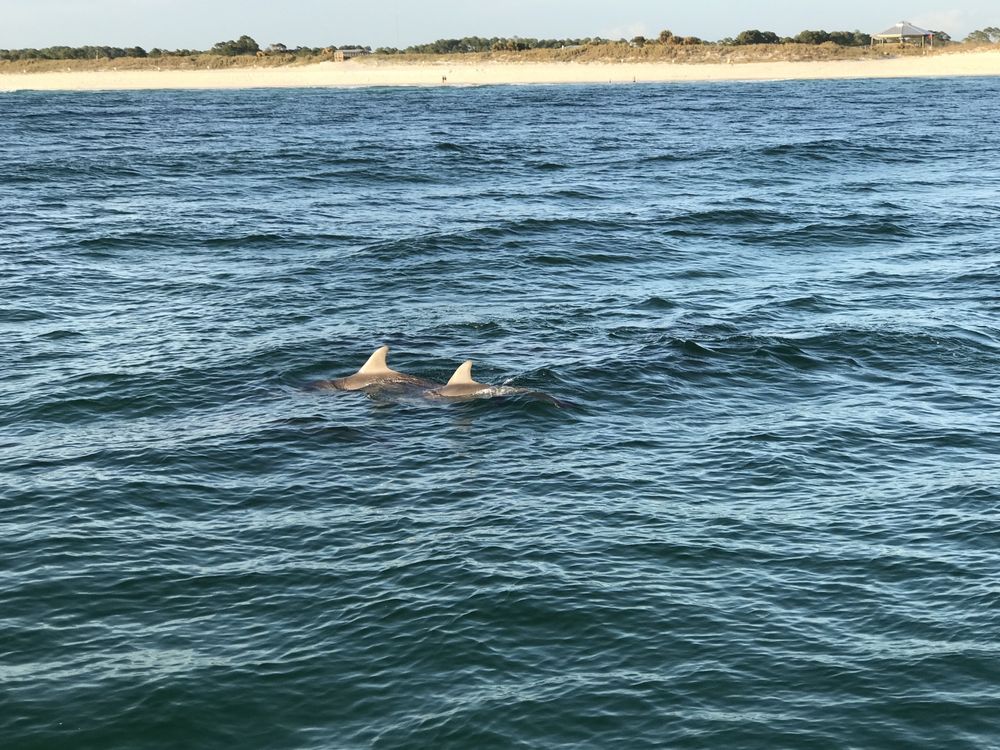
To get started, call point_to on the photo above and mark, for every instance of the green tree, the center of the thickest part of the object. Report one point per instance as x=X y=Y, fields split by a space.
x=989 y=35
x=850 y=38
x=812 y=37
x=245 y=45
x=753 y=36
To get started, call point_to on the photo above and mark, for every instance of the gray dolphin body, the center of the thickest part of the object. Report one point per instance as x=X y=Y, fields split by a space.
x=376 y=371
x=461 y=387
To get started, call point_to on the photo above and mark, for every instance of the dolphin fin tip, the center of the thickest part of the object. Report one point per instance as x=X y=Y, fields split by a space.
x=463 y=375
x=376 y=362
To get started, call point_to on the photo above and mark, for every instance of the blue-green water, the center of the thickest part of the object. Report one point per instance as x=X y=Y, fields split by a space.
x=769 y=518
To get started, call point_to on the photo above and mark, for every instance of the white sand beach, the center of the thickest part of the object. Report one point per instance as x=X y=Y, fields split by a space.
x=381 y=72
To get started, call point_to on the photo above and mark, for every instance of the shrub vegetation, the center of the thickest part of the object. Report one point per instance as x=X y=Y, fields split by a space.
x=754 y=44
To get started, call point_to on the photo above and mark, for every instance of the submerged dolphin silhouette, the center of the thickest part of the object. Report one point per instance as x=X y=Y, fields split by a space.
x=376 y=371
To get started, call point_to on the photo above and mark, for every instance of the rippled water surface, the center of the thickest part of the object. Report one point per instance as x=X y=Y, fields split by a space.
x=767 y=516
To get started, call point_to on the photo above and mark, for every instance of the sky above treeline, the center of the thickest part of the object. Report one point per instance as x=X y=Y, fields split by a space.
x=198 y=24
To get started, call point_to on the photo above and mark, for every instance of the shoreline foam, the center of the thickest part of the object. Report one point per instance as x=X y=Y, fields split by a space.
x=380 y=73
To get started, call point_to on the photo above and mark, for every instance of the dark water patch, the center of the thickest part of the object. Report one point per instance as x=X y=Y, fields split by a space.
x=424 y=246
x=354 y=174
x=572 y=258
x=475 y=329
x=579 y=193
x=317 y=430
x=480 y=240
x=953 y=343
x=848 y=231
x=60 y=334
x=975 y=278
x=722 y=221
x=102 y=246
x=693 y=348
x=248 y=240
x=558 y=225
x=546 y=166
x=749 y=348
x=21 y=315
x=70 y=409
x=657 y=303
x=696 y=274
x=827 y=151
x=673 y=157
x=817 y=303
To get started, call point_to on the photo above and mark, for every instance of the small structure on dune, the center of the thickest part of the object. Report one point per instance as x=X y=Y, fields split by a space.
x=346 y=54
x=904 y=32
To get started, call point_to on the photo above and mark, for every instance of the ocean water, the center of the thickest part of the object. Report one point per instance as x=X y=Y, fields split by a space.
x=765 y=517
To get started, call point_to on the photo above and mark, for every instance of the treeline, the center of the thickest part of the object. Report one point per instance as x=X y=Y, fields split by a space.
x=246 y=45
x=515 y=44
x=492 y=44
x=840 y=38
x=75 y=53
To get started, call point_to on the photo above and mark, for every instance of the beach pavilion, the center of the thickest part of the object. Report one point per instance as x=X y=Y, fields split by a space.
x=904 y=32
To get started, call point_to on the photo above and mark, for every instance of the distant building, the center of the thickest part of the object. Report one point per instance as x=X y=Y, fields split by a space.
x=346 y=54
x=904 y=32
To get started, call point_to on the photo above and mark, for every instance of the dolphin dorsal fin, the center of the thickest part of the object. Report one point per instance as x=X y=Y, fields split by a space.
x=463 y=375
x=376 y=362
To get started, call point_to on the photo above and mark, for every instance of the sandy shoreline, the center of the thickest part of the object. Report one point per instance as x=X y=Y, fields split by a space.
x=380 y=73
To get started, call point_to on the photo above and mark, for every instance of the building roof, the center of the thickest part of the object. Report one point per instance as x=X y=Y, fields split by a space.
x=904 y=28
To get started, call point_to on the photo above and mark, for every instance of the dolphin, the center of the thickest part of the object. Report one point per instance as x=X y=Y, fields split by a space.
x=375 y=372
x=461 y=387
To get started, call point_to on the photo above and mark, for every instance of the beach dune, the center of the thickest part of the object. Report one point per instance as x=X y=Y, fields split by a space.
x=380 y=72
